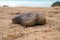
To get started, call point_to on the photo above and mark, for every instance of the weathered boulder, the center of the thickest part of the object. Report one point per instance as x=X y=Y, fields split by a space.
x=29 y=19
x=26 y=19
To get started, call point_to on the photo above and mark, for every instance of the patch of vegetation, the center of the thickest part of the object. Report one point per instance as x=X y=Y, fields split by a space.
x=57 y=3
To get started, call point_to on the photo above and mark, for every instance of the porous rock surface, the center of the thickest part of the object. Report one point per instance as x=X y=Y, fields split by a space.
x=29 y=19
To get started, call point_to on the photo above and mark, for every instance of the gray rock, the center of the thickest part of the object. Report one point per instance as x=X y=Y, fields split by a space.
x=29 y=19
x=26 y=19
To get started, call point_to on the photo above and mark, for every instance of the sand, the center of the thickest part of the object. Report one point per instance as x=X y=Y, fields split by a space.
x=49 y=31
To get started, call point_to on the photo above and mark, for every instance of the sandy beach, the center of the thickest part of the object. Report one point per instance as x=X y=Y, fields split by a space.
x=49 y=31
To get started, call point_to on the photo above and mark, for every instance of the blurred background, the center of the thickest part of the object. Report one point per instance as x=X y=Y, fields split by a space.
x=30 y=3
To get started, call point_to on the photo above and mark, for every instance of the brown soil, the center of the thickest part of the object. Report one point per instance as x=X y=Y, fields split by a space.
x=49 y=31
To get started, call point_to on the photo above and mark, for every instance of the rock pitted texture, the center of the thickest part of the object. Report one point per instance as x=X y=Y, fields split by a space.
x=29 y=19
x=55 y=4
x=41 y=20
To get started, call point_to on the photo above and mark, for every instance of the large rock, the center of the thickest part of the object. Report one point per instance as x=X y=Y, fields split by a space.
x=29 y=19
x=55 y=4
x=26 y=19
